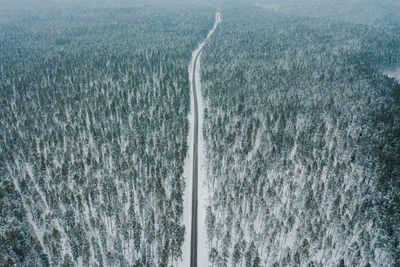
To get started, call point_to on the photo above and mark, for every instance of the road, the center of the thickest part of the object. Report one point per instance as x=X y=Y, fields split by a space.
x=193 y=239
x=195 y=176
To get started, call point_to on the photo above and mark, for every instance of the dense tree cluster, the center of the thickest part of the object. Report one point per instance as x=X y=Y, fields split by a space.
x=382 y=13
x=93 y=132
x=303 y=140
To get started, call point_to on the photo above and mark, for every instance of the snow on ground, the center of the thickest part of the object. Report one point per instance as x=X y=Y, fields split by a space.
x=202 y=259
x=393 y=73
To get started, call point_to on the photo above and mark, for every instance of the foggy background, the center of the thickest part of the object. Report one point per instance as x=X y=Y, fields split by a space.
x=356 y=11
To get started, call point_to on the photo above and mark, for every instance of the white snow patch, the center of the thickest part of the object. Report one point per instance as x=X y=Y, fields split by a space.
x=393 y=73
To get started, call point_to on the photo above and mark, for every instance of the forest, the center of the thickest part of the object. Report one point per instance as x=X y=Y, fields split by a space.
x=301 y=129
x=93 y=135
x=302 y=136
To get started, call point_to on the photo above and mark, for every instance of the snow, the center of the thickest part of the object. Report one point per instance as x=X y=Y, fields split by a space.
x=393 y=73
x=187 y=197
x=202 y=259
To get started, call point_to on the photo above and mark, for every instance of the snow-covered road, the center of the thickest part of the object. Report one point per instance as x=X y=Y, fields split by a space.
x=194 y=247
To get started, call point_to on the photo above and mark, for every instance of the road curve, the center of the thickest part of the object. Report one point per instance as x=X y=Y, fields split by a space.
x=193 y=239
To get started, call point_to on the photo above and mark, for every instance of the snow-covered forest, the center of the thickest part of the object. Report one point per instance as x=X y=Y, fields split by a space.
x=303 y=141
x=300 y=112
x=93 y=135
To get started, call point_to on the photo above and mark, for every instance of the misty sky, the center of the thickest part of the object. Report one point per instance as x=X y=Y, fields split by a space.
x=362 y=11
